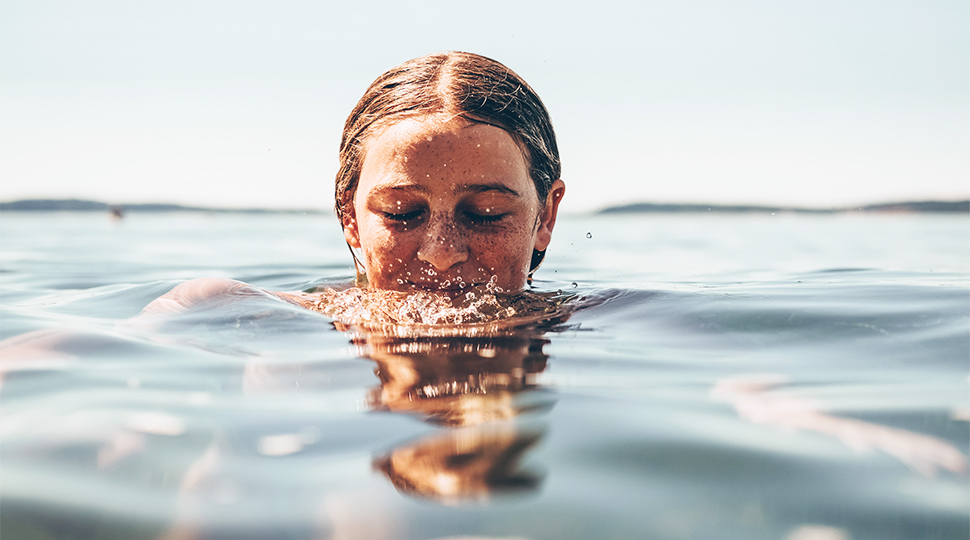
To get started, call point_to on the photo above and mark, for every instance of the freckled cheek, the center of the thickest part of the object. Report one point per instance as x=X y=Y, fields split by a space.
x=506 y=256
x=388 y=252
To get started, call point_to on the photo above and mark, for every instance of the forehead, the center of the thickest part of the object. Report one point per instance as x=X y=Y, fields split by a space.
x=429 y=144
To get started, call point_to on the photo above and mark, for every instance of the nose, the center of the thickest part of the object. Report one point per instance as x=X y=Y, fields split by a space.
x=444 y=245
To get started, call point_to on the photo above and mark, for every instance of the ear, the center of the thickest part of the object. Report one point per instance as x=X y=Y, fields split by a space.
x=351 y=234
x=547 y=219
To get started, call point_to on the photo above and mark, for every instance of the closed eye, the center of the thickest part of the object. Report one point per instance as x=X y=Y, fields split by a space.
x=407 y=216
x=484 y=219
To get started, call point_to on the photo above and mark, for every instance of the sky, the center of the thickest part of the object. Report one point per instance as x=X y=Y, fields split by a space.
x=241 y=103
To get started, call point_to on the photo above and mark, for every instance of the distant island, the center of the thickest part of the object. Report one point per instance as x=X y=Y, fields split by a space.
x=948 y=207
x=79 y=205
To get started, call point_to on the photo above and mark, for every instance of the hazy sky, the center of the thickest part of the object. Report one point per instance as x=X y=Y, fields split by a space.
x=241 y=103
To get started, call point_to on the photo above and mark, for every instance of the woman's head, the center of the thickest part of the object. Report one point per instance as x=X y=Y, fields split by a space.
x=449 y=175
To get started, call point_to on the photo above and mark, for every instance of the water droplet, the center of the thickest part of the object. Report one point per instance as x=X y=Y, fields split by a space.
x=589 y=235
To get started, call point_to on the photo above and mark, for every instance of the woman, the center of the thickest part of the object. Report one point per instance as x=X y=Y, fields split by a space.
x=449 y=176
x=448 y=183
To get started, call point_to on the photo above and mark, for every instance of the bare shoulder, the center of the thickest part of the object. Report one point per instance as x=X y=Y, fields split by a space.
x=205 y=293
x=197 y=292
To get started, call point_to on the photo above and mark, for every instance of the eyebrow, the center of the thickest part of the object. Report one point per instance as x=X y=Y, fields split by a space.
x=399 y=186
x=458 y=189
x=482 y=188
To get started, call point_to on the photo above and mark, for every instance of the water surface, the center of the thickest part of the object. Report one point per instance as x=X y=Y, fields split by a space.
x=789 y=377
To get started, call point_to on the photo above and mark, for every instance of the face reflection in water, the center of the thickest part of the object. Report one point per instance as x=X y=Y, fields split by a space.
x=483 y=392
x=445 y=205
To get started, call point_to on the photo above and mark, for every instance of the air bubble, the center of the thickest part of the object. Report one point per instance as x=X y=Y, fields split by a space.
x=589 y=235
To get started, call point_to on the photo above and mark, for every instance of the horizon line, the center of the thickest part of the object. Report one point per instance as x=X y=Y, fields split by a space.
x=91 y=205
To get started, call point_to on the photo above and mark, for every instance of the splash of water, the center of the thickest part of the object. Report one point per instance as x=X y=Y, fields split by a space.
x=485 y=304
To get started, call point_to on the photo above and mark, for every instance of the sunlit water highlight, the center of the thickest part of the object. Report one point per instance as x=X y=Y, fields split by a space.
x=790 y=377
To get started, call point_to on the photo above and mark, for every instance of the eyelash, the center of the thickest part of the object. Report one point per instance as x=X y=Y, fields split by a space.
x=475 y=219
x=407 y=216
x=480 y=219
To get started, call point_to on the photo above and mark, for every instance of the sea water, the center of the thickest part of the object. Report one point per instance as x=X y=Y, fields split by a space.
x=716 y=376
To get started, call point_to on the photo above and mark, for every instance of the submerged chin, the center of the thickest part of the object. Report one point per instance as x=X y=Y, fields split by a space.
x=448 y=288
x=453 y=281
x=452 y=287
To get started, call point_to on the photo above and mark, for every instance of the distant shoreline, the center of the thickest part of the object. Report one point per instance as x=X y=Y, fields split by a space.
x=81 y=205
x=921 y=207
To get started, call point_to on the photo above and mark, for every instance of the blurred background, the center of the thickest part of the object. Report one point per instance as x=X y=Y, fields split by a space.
x=241 y=103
